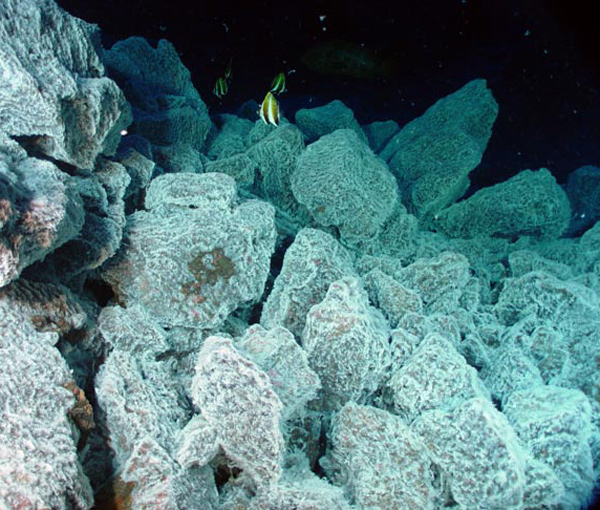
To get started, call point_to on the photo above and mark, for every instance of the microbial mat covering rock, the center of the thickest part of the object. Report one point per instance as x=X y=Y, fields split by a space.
x=200 y=311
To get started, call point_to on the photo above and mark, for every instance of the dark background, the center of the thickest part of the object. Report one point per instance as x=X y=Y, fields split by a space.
x=541 y=59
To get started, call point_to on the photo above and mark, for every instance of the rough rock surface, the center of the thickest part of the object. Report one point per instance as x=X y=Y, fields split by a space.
x=583 y=190
x=412 y=330
x=509 y=370
x=571 y=311
x=103 y=196
x=433 y=155
x=152 y=479
x=298 y=489
x=53 y=92
x=529 y=204
x=478 y=452
x=195 y=250
x=40 y=465
x=522 y=262
x=391 y=297
x=239 y=166
x=164 y=257
x=132 y=330
x=311 y=263
x=276 y=156
x=278 y=354
x=320 y=121
x=241 y=413
x=398 y=237
x=440 y=282
x=343 y=184
x=378 y=461
x=435 y=376
x=178 y=157
x=311 y=494
x=555 y=424
x=167 y=108
x=379 y=134
x=347 y=342
x=40 y=210
x=140 y=398
x=233 y=137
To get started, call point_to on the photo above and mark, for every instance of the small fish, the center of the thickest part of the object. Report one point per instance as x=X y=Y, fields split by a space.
x=278 y=85
x=229 y=70
x=221 y=87
x=269 y=110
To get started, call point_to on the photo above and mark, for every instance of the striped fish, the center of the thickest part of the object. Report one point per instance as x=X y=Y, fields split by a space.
x=220 y=88
x=278 y=85
x=269 y=110
x=229 y=70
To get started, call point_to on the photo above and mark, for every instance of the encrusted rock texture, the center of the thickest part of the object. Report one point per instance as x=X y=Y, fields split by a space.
x=213 y=313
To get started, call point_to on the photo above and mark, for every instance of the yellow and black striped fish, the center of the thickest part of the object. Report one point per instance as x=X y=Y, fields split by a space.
x=220 y=88
x=278 y=85
x=269 y=110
